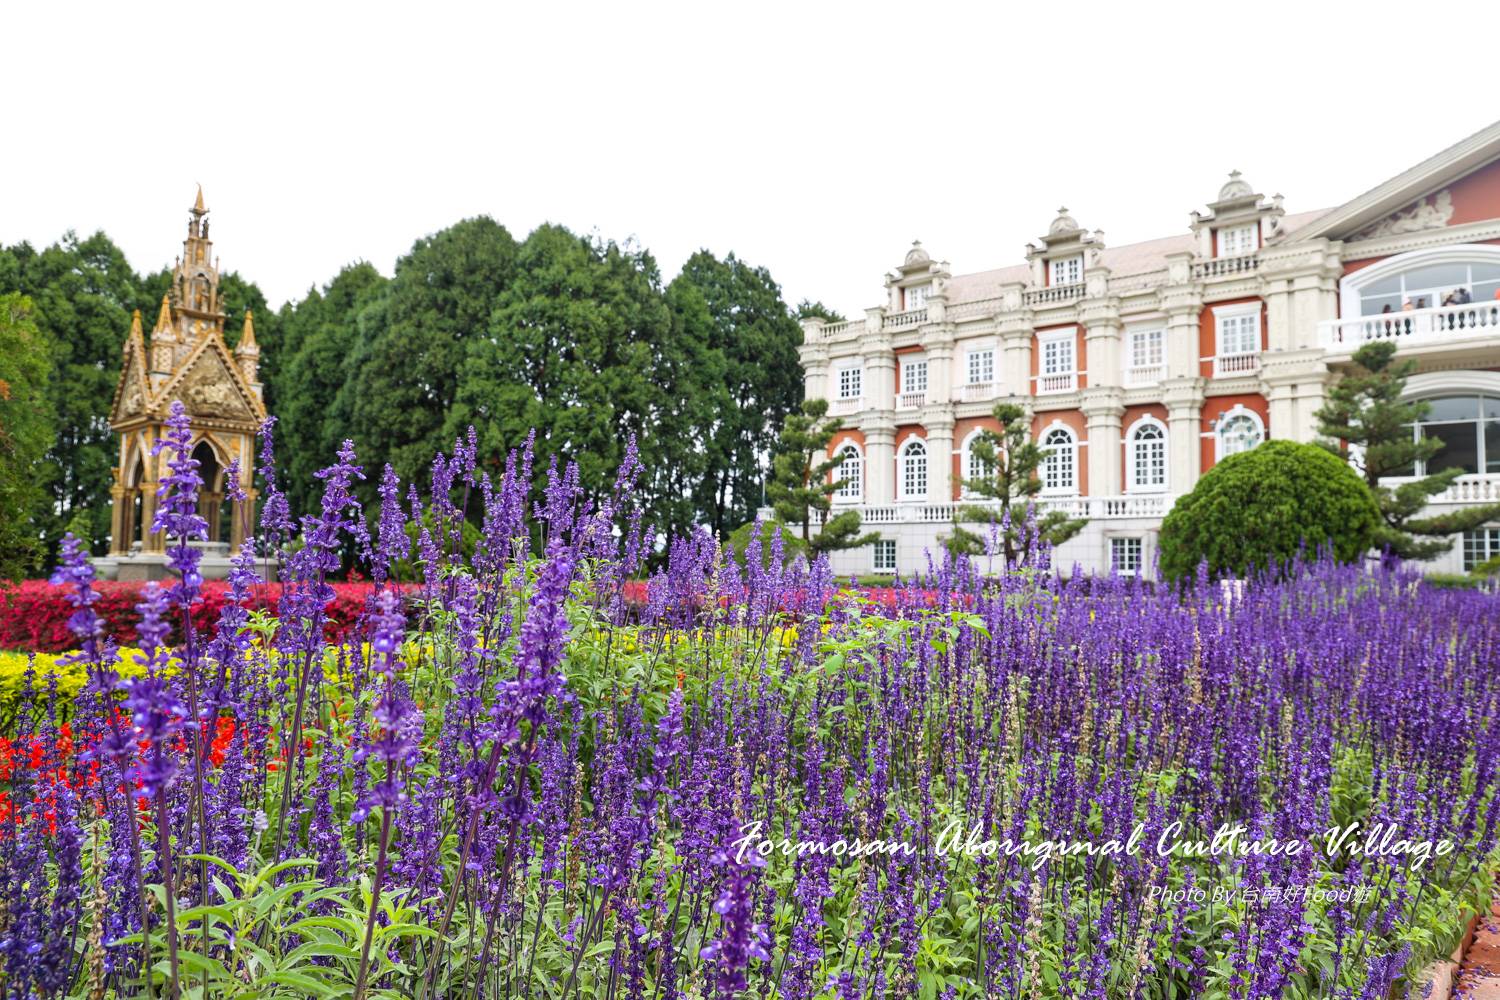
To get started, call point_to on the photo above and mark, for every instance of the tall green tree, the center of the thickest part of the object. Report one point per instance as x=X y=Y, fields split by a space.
x=1013 y=460
x=1368 y=423
x=319 y=334
x=26 y=431
x=802 y=488
x=401 y=383
x=82 y=292
x=571 y=350
x=756 y=337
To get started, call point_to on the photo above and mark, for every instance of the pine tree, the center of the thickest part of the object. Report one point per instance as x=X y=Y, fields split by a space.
x=1367 y=422
x=802 y=490
x=1013 y=460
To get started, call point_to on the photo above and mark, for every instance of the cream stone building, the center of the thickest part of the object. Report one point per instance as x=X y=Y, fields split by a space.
x=1143 y=365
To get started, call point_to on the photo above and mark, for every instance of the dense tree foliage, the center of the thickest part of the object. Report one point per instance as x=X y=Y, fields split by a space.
x=574 y=336
x=1368 y=423
x=1258 y=510
x=1008 y=492
x=25 y=431
x=754 y=337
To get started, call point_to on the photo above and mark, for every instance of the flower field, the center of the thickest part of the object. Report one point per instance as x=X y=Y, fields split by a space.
x=507 y=780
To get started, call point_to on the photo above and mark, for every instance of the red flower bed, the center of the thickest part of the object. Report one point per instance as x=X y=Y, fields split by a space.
x=34 y=614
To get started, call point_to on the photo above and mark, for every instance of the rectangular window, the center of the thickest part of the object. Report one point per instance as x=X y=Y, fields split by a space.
x=851 y=383
x=1126 y=555
x=916 y=297
x=1237 y=240
x=1065 y=270
x=885 y=556
x=1239 y=333
x=1145 y=348
x=981 y=367
x=1057 y=355
x=1480 y=545
x=914 y=376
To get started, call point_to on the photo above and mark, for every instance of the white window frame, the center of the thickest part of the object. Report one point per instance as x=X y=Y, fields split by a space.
x=1222 y=424
x=1134 y=363
x=1047 y=365
x=974 y=366
x=1480 y=545
x=1237 y=241
x=853 y=490
x=1071 y=448
x=1065 y=270
x=967 y=460
x=1140 y=554
x=1133 y=480
x=1237 y=315
x=914 y=297
x=908 y=367
x=903 y=460
x=851 y=377
x=877 y=565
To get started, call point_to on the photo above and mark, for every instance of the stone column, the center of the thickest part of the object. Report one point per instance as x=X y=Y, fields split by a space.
x=1100 y=318
x=151 y=541
x=1182 y=301
x=1014 y=326
x=880 y=364
x=1184 y=400
x=880 y=461
x=1103 y=407
x=119 y=500
x=937 y=345
x=814 y=356
x=939 y=457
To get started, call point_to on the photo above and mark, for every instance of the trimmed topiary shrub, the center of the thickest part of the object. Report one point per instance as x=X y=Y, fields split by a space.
x=1255 y=511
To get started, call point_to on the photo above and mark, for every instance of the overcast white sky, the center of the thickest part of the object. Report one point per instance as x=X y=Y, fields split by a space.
x=815 y=139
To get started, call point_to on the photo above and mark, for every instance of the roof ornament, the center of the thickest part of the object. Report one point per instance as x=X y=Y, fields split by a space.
x=1237 y=187
x=1064 y=223
x=917 y=255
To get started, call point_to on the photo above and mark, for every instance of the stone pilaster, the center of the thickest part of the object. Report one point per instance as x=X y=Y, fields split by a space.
x=1182 y=301
x=880 y=363
x=939 y=457
x=880 y=460
x=1103 y=407
x=813 y=354
x=1184 y=401
x=118 y=542
x=1015 y=329
x=937 y=346
x=151 y=541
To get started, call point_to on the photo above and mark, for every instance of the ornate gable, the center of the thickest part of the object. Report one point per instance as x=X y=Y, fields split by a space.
x=132 y=391
x=211 y=386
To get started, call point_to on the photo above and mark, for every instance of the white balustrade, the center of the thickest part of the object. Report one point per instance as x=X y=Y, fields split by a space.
x=1413 y=326
x=1145 y=374
x=1107 y=508
x=843 y=407
x=1231 y=365
x=910 y=400
x=1053 y=294
x=1481 y=488
x=901 y=320
x=1222 y=267
x=978 y=392
x=1046 y=385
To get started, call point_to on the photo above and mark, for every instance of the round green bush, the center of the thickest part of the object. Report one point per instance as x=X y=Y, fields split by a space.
x=1254 y=511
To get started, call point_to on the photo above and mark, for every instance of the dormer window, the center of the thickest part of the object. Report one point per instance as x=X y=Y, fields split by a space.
x=1065 y=270
x=916 y=297
x=1235 y=241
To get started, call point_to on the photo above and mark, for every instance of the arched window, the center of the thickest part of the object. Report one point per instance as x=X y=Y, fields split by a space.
x=1427 y=279
x=975 y=467
x=1147 y=468
x=1060 y=467
x=1239 y=430
x=914 y=470
x=850 y=473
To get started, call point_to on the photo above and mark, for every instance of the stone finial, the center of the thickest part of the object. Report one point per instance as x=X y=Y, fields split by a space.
x=1064 y=223
x=163 y=318
x=247 y=344
x=917 y=255
x=1236 y=187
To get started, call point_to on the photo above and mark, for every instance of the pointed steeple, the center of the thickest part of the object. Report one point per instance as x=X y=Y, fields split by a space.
x=198 y=208
x=163 y=318
x=135 y=325
x=247 y=342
